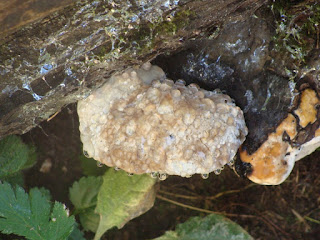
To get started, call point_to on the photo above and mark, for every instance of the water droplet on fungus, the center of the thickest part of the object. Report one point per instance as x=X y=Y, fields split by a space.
x=180 y=81
x=99 y=164
x=154 y=174
x=231 y=162
x=117 y=169
x=205 y=176
x=217 y=172
x=162 y=176
x=130 y=174
x=85 y=153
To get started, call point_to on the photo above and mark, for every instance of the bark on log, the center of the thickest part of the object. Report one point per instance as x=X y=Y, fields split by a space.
x=15 y=14
x=57 y=60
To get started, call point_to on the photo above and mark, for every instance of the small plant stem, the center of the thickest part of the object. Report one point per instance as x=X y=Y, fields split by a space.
x=206 y=197
x=202 y=210
x=312 y=220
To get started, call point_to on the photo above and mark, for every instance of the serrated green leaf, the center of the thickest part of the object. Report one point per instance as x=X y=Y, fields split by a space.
x=45 y=193
x=13 y=155
x=60 y=225
x=213 y=227
x=90 y=168
x=122 y=198
x=14 y=179
x=39 y=206
x=83 y=195
x=31 y=216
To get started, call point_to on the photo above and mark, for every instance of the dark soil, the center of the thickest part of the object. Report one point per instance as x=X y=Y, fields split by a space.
x=288 y=211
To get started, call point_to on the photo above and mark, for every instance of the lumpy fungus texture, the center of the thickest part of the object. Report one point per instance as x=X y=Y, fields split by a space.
x=141 y=122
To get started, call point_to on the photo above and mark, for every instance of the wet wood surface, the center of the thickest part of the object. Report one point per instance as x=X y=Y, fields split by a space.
x=53 y=53
x=15 y=14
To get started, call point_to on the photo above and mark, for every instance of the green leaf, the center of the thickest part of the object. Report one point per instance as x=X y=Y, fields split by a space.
x=31 y=216
x=83 y=195
x=90 y=168
x=45 y=193
x=213 y=226
x=171 y=235
x=14 y=179
x=14 y=157
x=32 y=157
x=89 y=220
x=76 y=234
x=122 y=198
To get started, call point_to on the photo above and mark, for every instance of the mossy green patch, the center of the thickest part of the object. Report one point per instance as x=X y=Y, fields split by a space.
x=172 y=24
x=144 y=37
x=297 y=28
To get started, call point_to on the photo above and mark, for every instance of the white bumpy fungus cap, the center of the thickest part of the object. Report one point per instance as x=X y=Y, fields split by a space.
x=141 y=122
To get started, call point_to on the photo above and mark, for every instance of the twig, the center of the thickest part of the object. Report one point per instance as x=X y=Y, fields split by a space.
x=206 y=197
x=317 y=45
x=179 y=195
x=267 y=221
x=312 y=211
x=202 y=210
x=52 y=116
x=229 y=192
x=179 y=187
x=312 y=220
x=301 y=219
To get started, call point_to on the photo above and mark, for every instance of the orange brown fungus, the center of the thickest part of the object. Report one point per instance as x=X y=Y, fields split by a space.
x=267 y=164
x=273 y=161
x=307 y=111
x=317 y=133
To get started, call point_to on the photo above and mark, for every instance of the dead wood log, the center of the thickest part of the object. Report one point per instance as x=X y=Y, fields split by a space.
x=53 y=52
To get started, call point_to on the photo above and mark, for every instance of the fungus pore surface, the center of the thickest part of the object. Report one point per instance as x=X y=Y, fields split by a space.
x=141 y=122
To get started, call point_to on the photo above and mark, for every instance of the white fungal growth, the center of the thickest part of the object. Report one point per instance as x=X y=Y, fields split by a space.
x=141 y=122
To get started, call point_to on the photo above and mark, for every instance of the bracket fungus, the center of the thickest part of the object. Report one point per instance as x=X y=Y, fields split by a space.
x=296 y=136
x=141 y=122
